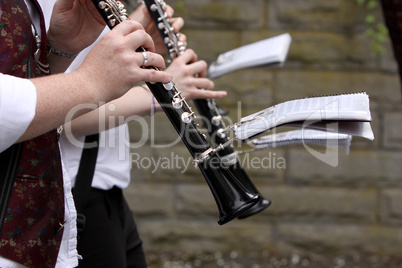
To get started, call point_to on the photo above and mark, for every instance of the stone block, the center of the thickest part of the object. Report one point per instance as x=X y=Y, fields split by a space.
x=330 y=237
x=205 y=236
x=359 y=167
x=175 y=164
x=265 y=166
x=222 y=14
x=392 y=131
x=209 y=44
x=155 y=130
x=333 y=15
x=140 y=172
x=390 y=206
x=308 y=203
x=317 y=50
x=387 y=60
x=381 y=88
x=247 y=90
x=150 y=200
x=196 y=201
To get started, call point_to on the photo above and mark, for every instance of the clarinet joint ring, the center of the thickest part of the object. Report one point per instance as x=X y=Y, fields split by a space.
x=203 y=156
x=209 y=152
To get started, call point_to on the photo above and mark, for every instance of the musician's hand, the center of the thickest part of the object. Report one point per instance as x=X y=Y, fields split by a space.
x=142 y=15
x=189 y=76
x=113 y=65
x=75 y=24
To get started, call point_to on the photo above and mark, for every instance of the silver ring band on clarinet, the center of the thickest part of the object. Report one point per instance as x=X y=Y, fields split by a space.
x=144 y=54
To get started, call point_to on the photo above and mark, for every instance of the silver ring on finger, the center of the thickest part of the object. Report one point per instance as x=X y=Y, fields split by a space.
x=144 y=54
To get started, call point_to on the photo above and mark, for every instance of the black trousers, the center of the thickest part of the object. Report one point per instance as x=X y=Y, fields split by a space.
x=110 y=237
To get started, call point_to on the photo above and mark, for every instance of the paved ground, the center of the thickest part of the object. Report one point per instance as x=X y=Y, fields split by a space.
x=265 y=260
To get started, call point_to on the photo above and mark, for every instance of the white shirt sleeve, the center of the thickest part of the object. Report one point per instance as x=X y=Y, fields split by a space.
x=17 y=108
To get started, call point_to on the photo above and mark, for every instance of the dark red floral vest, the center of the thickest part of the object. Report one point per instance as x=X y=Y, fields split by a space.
x=32 y=230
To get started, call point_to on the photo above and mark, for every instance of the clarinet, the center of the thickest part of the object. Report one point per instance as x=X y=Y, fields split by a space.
x=210 y=112
x=231 y=197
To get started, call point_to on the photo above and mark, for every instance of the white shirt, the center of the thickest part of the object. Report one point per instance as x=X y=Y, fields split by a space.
x=68 y=255
x=113 y=161
x=21 y=93
x=15 y=92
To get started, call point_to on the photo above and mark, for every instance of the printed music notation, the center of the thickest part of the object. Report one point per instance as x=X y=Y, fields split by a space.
x=270 y=51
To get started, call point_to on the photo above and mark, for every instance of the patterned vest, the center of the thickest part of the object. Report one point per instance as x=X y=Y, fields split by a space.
x=32 y=228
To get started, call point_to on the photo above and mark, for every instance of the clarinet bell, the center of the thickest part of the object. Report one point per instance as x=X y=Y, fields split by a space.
x=241 y=175
x=231 y=197
x=260 y=206
x=236 y=202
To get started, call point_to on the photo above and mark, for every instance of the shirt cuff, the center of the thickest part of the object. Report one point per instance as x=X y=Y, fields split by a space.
x=17 y=108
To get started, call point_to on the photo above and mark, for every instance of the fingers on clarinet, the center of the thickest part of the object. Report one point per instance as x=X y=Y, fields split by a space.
x=151 y=75
x=177 y=24
x=169 y=11
x=145 y=40
x=188 y=57
x=151 y=59
x=158 y=61
x=182 y=38
x=204 y=83
x=201 y=68
x=128 y=26
x=209 y=94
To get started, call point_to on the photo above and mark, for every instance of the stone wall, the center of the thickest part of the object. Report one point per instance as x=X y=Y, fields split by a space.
x=352 y=208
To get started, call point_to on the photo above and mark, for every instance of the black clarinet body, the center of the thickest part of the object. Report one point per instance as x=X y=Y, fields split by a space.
x=231 y=197
x=212 y=121
x=210 y=113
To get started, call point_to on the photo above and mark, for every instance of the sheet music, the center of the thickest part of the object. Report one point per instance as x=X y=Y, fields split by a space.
x=347 y=107
x=272 y=50
x=355 y=128
x=304 y=136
